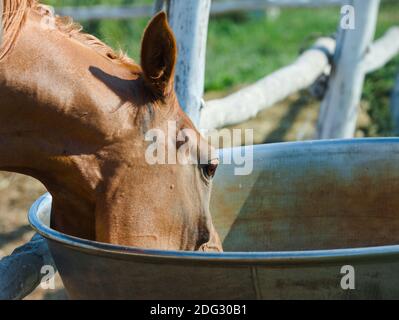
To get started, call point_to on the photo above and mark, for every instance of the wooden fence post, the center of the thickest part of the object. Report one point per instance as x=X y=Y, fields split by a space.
x=20 y=273
x=189 y=21
x=159 y=5
x=339 y=110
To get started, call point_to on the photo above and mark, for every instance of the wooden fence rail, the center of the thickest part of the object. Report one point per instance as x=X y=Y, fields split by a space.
x=20 y=273
x=339 y=110
x=247 y=102
x=382 y=51
x=99 y=12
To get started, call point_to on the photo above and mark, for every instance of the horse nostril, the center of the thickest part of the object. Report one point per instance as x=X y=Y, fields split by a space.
x=204 y=236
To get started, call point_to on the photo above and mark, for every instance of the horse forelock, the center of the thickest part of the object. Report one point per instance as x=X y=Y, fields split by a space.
x=14 y=14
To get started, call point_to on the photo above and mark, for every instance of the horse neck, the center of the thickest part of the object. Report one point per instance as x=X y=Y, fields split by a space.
x=43 y=136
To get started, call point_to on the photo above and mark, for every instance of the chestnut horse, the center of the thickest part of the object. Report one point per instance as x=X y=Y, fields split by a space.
x=73 y=114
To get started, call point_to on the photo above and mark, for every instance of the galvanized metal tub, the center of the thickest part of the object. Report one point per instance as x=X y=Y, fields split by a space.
x=307 y=210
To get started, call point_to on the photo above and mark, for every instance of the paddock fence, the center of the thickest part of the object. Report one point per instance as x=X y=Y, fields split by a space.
x=99 y=12
x=344 y=62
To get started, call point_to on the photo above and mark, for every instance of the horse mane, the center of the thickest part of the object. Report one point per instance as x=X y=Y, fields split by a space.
x=14 y=15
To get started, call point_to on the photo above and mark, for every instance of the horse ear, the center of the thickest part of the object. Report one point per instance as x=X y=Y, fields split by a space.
x=158 y=55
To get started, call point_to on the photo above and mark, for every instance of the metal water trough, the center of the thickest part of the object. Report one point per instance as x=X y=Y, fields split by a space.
x=307 y=210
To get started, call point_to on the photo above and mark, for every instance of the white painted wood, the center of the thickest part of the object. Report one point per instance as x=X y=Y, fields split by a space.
x=246 y=103
x=189 y=21
x=159 y=5
x=382 y=51
x=395 y=107
x=232 y=6
x=339 y=109
x=20 y=272
x=245 y=106
x=98 y=12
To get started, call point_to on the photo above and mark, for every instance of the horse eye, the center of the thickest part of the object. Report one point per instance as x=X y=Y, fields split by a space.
x=210 y=168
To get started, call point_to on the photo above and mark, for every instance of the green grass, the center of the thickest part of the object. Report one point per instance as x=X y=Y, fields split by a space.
x=242 y=48
x=377 y=92
x=378 y=85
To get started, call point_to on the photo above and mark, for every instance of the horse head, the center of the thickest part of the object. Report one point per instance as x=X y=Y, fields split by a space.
x=76 y=116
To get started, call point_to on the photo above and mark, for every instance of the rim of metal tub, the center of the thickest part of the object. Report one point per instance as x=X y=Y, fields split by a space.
x=224 y=258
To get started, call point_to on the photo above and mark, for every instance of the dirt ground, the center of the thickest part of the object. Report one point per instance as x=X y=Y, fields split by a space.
x=293 y=119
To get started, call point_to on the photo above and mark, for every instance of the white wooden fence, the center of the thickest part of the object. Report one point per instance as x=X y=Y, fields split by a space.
x=355 y=56
x=339 y=110
x=282 y=83
x=189 y=21
x=247 y=102
x=20 y=273
x=99 y=12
